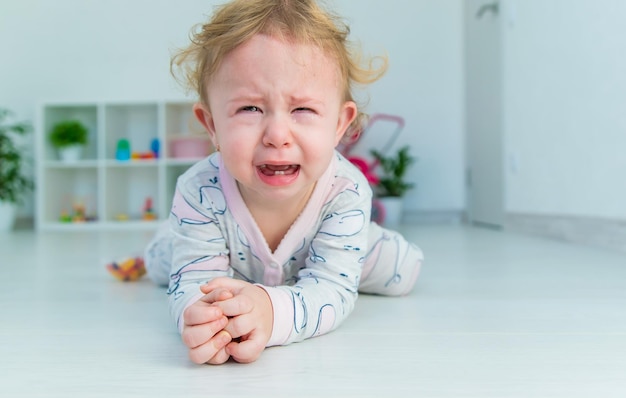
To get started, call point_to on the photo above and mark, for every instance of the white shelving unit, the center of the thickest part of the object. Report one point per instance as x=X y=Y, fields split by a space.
x=112 y=192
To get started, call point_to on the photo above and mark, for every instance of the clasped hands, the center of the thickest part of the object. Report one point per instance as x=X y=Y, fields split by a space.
x=234 y=319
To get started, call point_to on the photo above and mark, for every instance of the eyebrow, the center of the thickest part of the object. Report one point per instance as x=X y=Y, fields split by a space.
x=253 y=98
x=305 y=99
x=235 y=97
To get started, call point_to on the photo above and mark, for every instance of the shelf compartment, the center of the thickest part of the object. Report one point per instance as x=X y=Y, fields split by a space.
x=86 y=114
x=68 y=188
x=181 y=125
x=137 y=123
x=128 y=189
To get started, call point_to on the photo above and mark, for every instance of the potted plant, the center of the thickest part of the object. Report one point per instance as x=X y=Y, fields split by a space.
x=69 y=137
x=392 y=185
x=13 y=182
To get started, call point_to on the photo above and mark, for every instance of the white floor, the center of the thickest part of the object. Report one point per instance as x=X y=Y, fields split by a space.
x=494 y=315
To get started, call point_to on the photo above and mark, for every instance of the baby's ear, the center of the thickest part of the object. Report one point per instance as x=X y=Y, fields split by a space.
x=347 y=114
x=205 y=118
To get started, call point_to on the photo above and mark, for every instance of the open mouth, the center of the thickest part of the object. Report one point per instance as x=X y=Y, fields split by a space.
x=278 y=170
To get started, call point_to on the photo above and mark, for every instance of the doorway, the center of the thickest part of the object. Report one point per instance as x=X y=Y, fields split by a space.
x=484 y=125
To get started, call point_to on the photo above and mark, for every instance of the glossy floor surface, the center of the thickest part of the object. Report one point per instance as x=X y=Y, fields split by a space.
x=494 y=314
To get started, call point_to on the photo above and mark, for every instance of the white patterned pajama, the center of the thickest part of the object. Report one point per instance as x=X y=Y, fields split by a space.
x=331 y=252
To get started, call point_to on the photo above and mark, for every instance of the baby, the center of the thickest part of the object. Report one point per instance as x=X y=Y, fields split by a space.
x=269 y=239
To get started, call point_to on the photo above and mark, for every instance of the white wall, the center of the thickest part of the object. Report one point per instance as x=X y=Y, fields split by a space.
x=565 y=107
x=119 y=50
x=72 y=49
x=424 y=42
x=564 y=83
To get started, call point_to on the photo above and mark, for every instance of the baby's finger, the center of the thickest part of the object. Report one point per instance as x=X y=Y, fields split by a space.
x=222 y=283
x=236 y=306
x=195 y=336
x=217 y=295
x=205 y=352
x=239 y=326
x=201 y=313
x=219 y=358
x=245 y=352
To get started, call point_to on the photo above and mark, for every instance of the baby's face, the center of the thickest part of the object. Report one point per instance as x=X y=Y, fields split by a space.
x=277 y=113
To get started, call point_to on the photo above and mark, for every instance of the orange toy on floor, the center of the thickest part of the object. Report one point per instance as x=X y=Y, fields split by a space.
x=127 y=270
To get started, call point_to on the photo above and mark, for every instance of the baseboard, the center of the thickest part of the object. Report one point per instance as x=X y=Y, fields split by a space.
x=599 y=232
x=433 y=217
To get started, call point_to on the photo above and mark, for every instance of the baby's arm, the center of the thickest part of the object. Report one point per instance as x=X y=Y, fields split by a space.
x=326 y=288
x=199 y=254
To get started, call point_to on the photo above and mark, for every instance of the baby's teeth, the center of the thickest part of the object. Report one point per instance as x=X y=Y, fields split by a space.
x=279 y=173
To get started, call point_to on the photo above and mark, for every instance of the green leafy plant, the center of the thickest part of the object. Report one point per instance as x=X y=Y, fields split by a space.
x=13 y=182
x=68 y=133
x=391 y=181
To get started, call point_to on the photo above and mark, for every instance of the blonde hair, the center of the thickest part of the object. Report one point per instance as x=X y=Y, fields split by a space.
x=300 y=21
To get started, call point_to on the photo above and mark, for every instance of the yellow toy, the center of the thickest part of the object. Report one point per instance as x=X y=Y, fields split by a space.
x=128 y=270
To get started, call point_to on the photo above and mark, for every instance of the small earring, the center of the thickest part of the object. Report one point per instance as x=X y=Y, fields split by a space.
x=217 y=148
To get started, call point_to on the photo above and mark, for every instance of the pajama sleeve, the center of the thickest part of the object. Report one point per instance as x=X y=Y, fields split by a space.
x=199 y=251
x=326 y=289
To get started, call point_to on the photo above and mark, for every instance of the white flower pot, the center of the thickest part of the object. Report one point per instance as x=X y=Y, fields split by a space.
x=392 y=209
x=7 y=216
x=70 y=154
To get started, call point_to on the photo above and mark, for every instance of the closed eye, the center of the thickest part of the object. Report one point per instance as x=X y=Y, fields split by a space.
x=303 y=109
x=250 y=108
